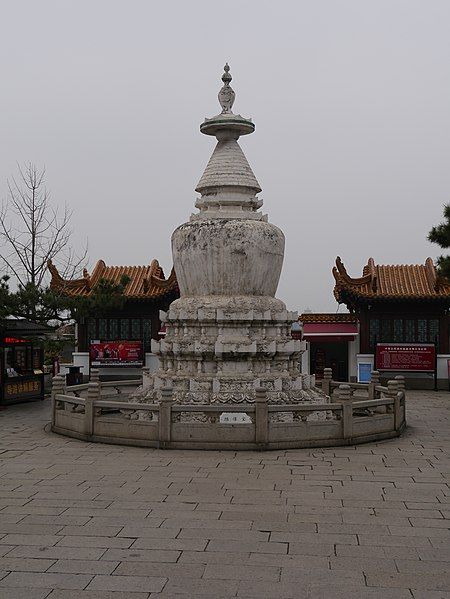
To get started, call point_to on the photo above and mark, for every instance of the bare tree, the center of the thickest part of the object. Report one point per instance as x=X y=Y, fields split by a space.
x=34 y=232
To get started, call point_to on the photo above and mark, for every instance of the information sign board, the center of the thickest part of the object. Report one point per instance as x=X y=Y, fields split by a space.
x=406 y=357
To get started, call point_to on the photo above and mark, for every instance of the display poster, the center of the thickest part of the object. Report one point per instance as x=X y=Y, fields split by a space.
x=407 y=357
x=364 y=372
x=116 y=354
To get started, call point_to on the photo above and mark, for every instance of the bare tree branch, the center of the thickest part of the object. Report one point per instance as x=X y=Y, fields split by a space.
x=33 y=231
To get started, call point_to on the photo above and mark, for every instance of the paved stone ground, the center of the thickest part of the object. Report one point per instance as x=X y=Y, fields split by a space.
x=87 y=521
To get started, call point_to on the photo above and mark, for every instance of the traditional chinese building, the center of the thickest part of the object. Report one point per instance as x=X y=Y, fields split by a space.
x=397 y=304
x=136 y=322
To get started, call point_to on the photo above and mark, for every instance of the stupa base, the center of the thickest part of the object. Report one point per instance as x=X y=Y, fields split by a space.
x=220 y=350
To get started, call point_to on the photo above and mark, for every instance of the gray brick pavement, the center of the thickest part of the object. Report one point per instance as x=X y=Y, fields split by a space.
x=89 y=521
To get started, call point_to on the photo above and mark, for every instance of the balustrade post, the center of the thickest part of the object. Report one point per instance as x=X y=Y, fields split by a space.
x=145 y=377
x=89 y=412
x=399 y=401
x=326 y=381
x=397 y=412
x=261 y=418
x=392 y=393
x=95 y=376
x=58 y=388
x=346 y=399
x=392 y=388
x=344 y=393
x=400 y=382
x=347 y=420
x=374 y=382
x=165 y=418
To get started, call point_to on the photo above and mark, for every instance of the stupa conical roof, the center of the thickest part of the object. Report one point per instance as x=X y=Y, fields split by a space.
x=227 y=167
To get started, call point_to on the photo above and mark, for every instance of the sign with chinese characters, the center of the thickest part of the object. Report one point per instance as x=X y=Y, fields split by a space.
x=23 y=389
x=407 y=357
x=14 y=340
x=116 y=353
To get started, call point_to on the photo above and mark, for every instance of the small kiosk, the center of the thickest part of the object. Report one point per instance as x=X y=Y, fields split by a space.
x=21 y=363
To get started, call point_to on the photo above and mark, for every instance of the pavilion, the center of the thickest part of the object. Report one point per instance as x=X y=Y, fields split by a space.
x=388 y=304
x=146 y=293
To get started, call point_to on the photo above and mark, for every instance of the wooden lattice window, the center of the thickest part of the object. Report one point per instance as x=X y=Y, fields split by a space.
x=374 y=332
x=433 y=330
x=398 y=331
x=136 y=328
x=91 y=329
x=410 y=331
x=386 y=330
x=102 y=328
x=422 y=335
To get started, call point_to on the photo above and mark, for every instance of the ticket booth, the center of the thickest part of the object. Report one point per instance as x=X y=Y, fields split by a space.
x=21 y=370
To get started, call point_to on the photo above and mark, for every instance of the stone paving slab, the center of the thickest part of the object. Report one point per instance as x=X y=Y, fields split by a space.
x=90 y=521
x=24 y=593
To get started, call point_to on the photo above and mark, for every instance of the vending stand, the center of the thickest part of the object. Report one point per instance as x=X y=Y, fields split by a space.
x=21 y=369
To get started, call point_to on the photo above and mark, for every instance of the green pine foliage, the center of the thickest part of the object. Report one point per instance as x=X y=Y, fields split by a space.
x=46 y=306
x=105 y=297
x=440 y=234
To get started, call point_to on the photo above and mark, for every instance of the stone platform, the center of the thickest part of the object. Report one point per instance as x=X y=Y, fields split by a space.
x=91 y=521
x=221 y=349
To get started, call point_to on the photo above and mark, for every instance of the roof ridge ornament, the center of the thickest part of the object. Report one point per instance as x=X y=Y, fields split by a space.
x=226 y=94
x=431 y=275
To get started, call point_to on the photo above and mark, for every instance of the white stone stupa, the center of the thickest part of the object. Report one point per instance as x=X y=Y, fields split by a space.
x=228 y=335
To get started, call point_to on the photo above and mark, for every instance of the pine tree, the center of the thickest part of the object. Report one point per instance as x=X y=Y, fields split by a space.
x=440 y=234
x=105 y=296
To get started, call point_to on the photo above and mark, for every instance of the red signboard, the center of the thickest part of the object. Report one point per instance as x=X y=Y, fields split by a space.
x=24 y=388
x=116 y=353
x=408 y=357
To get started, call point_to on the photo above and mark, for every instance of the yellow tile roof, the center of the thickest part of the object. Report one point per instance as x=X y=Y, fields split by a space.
x=146 y=282
x=402 y=281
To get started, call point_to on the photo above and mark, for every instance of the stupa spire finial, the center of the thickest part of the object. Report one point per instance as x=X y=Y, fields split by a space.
x=226 y=93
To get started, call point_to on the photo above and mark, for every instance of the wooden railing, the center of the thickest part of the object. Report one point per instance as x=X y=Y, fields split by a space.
x=347 y=419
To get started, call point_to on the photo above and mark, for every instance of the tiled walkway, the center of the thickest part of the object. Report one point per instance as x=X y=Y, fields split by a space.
x=86 y=521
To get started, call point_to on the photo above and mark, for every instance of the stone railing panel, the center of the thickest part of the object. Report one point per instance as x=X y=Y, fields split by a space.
x=349 y=419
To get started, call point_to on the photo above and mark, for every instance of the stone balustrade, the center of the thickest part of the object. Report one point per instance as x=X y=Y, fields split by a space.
x=358 y=413
x=108 y=389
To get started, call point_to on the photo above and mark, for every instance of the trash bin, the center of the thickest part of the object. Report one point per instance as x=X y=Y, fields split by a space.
x=74 y=376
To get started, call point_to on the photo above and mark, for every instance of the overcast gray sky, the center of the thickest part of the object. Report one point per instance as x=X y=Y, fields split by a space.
x=351 y=101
